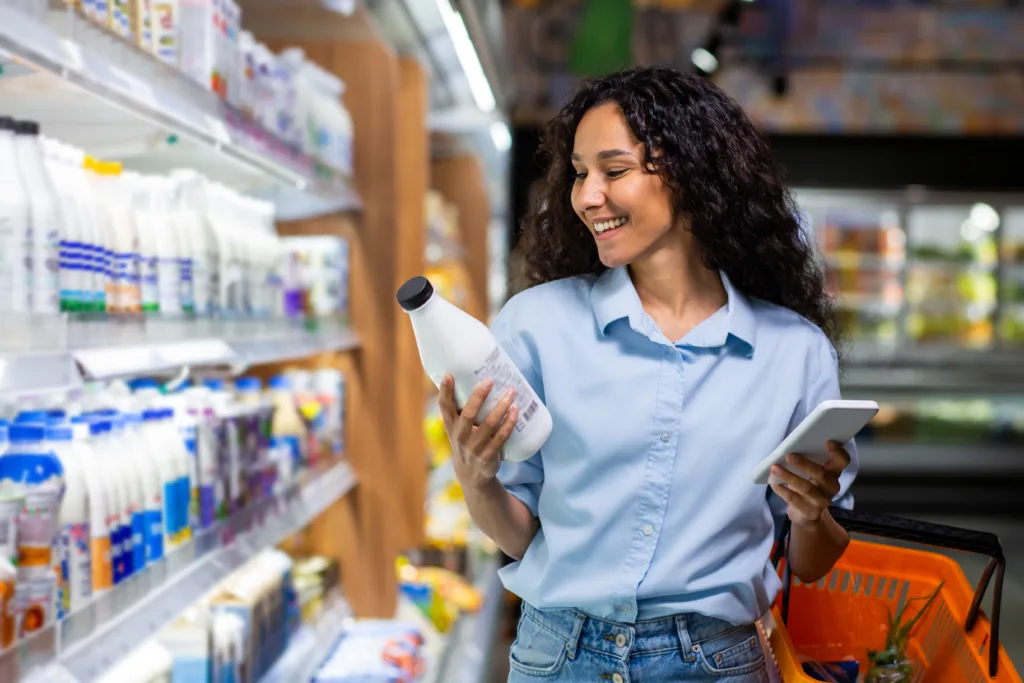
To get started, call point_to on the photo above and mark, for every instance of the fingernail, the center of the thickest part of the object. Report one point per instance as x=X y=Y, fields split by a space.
x=510 y=392
x=776 y=470
x=791 y=458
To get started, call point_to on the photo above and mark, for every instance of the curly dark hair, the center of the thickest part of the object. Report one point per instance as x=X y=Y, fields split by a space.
x=724 y=178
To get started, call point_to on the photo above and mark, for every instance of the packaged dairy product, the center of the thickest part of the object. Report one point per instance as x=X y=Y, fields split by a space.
x=450 y=341
x=73 y=556
x=142 y=23
x=287 y=428
x=227 y=445
x=8 y=603
x=167 y=246
x=165 y=31
x=255 y=426
x=191 y=204
x=36 y=595
x=187 y=428
x=90 y=252
x=118 y=495
x=181 y=231
x=30 y=470
x=145 y=454
x=134 y=546
x=15 y=235
x=102 y=516
x=45 y=220
x=73 y=267
x=329 y=390
x=209 y=494
x=198 y=21
x=101 y=178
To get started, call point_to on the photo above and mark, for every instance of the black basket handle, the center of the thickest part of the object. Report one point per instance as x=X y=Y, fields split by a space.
x=924 y=533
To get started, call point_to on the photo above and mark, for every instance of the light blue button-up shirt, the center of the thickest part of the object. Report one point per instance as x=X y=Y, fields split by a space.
x=644 y=490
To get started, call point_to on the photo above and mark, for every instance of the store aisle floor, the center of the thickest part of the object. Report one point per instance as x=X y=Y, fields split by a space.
x=1011 y=535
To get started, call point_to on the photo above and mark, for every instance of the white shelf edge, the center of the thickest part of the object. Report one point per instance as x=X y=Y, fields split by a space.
x=30 y=40
x=110 y=627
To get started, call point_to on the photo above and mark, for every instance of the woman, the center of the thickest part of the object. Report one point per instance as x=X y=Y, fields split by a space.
x=677 y=328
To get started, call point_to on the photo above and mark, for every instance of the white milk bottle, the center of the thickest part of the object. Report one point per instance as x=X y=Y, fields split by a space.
x=167 y=248
x=72 y=557
x=167 y=469
x=145 y=453
x=100 y=516
x=78 y=178
x=185 y=427
x=208 y=485
x=44 y=220
x=191 y=209
x=149 y=249
x=108 y=455
x=15 y=238
x=135 y=547
x=451 y=341
x=182 y=234
x=72 y=263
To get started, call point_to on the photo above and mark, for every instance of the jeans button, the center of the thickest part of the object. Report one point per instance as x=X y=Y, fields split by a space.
x=616 y=678
x=620 y=640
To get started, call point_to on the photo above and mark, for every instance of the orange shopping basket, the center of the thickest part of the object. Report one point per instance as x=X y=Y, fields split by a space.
x=846 y=613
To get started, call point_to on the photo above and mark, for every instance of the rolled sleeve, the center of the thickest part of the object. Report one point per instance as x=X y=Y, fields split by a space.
x=522 y=479
x=822 y=385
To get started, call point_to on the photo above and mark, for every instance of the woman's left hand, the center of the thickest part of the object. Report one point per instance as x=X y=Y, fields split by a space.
x=809 y=498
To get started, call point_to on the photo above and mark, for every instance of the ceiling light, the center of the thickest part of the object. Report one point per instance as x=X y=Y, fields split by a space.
x=501 y=136
x=704 y=60
x=464 y=50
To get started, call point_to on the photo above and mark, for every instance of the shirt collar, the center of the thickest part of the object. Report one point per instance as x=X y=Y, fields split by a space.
x=614 y=298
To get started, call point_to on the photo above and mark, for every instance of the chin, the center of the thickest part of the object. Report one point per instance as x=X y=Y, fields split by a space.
x=614 y=258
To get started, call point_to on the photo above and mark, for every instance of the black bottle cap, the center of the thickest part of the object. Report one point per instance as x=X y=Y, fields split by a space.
x=6 y=123
x=26 y=128
x=414 y=293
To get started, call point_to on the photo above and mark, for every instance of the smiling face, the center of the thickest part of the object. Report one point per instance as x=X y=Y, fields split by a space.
x=627 y=208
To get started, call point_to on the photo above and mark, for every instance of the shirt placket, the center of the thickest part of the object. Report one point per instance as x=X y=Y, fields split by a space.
x=657 y=477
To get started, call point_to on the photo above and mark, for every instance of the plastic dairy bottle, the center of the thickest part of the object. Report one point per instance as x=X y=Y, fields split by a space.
x=167 y=247
x=452 y=341
x=29 y=469
x=8 y=603
x=167 y=471
x=78 y=181
x=72 y=262
x=191 y=208
x=99 y=178
x=145 y=453
x=182 y=234
x=15 y=238
x=73 y=558
x=100 y=517
x=44 y=220
x=108 y=454
x=146 y=225
x=255 y=426
x=209 y=484
x=228 y=447
x=287 y=428
x=187 y=428
x=134 y=550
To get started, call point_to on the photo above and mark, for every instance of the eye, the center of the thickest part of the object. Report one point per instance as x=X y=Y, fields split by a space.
x=616 y=174
x=579 y=177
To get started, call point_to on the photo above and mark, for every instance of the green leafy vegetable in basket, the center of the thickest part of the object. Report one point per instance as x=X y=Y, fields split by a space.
x=893 y=663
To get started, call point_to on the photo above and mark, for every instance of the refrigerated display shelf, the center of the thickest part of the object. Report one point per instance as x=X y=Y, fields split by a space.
x=468 y=652
x=311 y=645
x=99 y=352
x=90 y=640
x=90 y=88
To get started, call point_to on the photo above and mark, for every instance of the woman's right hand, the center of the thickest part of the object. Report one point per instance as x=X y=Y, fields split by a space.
x=476 y=450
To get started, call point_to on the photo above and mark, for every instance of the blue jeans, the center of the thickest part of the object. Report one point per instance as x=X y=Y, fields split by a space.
x=562 y=646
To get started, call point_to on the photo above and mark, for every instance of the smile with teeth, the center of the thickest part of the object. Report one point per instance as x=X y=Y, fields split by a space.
x=605 y=226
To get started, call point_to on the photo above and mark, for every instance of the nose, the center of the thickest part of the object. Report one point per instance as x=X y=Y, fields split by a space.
x=592 y=192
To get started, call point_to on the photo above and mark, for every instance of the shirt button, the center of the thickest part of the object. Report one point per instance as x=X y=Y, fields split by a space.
x=616 y=678
x=648 y=529
x=620 y=640
x=665 y=436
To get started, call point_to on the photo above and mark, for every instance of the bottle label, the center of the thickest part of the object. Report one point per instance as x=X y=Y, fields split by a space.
x=188 y=512
x=200 y=287
x=500 y=369
x=170 y=285
x=187 y=291
x=73 y=568
x=154 y=535
x=45 y=263
x=102 y=563
x=117 y=554
x=171 y=502
x=149 y=273
x=138 y=540
x=14 y=273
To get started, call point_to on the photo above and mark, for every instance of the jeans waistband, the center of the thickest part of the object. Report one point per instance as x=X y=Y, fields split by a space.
x=683 y=632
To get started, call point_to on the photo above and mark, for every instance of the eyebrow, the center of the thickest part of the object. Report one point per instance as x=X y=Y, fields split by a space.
x=606 y=154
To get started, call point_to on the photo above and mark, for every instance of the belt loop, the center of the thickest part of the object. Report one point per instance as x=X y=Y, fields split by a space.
x=577 y=631
x=685 y=645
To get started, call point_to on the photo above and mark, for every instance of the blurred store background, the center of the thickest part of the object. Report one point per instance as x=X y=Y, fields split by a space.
x=266 y=173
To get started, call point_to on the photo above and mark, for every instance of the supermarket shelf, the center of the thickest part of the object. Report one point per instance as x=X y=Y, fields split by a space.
x=943 y=369
x=959 y=460
x=95 y=90
x=467 y=655
x=103 y=350
x=311 y=646
x=107 y=629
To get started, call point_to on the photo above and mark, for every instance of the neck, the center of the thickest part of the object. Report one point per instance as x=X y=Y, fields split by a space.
x=673 y=280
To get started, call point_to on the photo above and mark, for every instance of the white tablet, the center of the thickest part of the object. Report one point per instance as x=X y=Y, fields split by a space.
x=836 y=420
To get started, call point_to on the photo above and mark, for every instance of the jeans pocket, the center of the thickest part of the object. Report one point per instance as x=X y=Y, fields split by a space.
x=733 y=653
x=537 y=650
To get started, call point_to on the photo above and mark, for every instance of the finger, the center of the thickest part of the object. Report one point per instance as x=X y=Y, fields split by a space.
x=839 y=459
x=473 y=405
x=446 y=401
x=489 y=426
x=493 y=448
x=807 y=466
x=795 y=501
x=801 y=486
